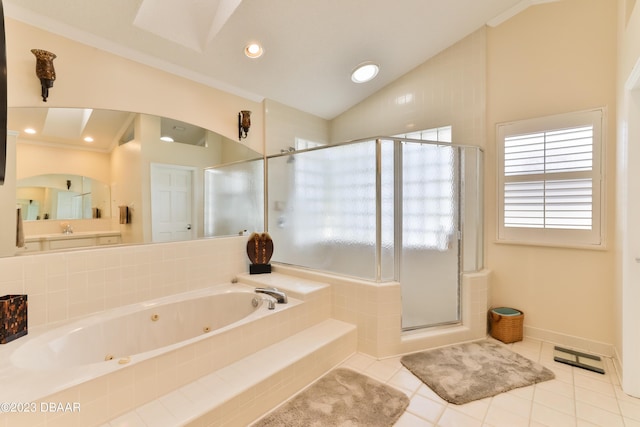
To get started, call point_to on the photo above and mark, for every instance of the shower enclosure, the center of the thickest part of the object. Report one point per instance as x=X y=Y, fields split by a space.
x=383 y=209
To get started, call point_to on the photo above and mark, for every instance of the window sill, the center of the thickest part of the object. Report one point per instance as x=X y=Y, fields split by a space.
x=600 y=247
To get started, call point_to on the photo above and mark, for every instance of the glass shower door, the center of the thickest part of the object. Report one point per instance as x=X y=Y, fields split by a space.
x=430 y=245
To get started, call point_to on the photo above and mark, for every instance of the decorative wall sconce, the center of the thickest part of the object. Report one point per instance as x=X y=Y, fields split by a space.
x=244 y=123
x=44 y=70
x=68 y=184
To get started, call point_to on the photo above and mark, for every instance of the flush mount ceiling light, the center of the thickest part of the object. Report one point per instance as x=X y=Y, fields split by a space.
x=166 y=138
x=253 y=50
x=30 y=131
x=365 y=72
x=88 y=139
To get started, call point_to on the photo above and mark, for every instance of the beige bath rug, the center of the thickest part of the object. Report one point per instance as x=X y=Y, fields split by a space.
x=466 y=372
x=341 y=398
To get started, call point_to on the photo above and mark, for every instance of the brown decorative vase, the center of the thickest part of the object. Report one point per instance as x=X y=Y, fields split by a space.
x=259 y=250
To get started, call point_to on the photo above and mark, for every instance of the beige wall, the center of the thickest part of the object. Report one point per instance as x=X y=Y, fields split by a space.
x=36 y=159
x=545 y=61
x=126 y=164
x=284 y=124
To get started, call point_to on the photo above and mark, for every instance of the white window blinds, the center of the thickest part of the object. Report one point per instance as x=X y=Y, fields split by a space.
x=550 y=179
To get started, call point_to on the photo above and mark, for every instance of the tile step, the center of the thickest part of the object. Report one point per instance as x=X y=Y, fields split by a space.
x=296 y=287
x=240 y=393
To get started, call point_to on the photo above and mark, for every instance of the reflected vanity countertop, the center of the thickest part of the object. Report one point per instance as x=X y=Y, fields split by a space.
x=74 y=235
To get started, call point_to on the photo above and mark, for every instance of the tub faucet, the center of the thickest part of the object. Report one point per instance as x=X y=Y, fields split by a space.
x=271 y=302
x=280 y=296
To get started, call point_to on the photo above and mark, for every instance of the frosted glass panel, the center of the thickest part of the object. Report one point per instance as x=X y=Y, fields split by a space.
x=234 y=199
x=430 y=223
x=322 y=209
x=472 y=220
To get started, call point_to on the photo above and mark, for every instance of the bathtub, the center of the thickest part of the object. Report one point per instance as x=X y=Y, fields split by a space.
x=49 y=361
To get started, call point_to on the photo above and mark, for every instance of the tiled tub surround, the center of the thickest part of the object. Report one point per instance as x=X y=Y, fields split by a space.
x=248 y=388
x=109 y=389
x=64 y=286
x=64 y=356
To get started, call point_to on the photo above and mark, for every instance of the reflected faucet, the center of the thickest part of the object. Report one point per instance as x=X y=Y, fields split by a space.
x=66 y=228
x=289 y=150
x=280 y=296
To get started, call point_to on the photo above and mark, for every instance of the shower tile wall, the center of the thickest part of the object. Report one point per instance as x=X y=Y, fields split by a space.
x=68 y=285
x=376 y=309
x=449 y=89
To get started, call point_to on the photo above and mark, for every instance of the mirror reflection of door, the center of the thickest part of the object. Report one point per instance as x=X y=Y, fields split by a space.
x=171 y=203
x=69 y=205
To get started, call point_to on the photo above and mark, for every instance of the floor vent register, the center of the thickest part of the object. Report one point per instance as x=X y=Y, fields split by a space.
x=578 y=359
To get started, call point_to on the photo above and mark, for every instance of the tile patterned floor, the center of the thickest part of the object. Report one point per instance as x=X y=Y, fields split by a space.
x=575 y=398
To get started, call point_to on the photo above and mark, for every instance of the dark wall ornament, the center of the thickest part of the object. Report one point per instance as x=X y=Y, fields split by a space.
x=44 y=70
x=260 y=250
x=244 y=123
x=3 y=98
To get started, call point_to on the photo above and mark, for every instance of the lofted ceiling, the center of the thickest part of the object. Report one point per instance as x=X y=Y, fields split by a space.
x=310 y=46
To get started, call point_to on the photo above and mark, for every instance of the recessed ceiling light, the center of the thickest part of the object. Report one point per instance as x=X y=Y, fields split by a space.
x=253 y=50
x=88 y=139
x=364 y=72
x=166 y=139
x=30 y=131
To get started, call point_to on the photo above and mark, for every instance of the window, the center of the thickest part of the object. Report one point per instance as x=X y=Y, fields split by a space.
x=303 y=144
x=550 y=179
x=441 y=134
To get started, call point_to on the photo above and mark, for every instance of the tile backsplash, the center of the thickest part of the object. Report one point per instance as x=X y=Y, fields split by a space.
x=66 y=285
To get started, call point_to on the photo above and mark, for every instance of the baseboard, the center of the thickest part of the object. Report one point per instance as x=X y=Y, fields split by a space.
x=570 y=341
x=617 y=362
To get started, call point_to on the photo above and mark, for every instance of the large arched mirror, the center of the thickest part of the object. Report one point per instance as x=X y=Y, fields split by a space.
x=83 y=174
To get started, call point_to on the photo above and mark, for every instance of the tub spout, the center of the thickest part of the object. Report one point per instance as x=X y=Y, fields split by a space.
x=280 y=296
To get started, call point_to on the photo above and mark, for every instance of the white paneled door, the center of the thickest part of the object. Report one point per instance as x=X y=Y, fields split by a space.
x=171 y=203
